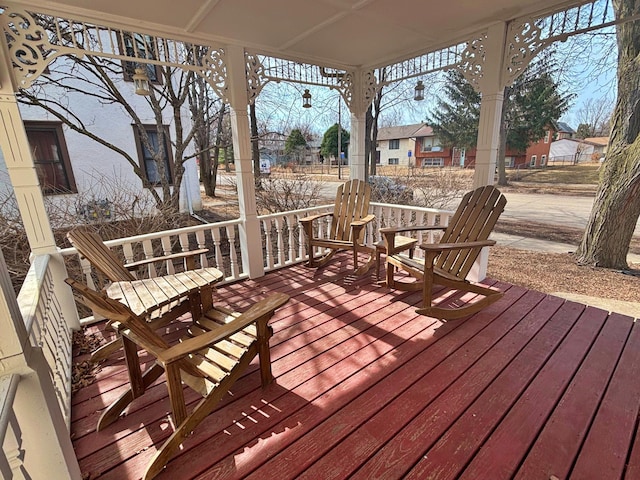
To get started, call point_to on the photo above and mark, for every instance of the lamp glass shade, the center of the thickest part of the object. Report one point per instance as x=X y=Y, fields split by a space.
x=141 y=82
x=306 y=99
x=419 y=91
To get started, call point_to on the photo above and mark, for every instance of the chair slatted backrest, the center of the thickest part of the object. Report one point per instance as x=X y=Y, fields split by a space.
x=474 y=220
x=91 y=247
x=352 y=204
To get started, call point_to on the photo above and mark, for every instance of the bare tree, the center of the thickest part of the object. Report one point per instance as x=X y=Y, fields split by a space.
x=594 y=118
x=94 y=78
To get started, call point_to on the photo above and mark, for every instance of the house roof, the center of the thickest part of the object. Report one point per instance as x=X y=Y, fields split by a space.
x=602 y=141
x=346 y=34
x=403 y=131
x=564 y=127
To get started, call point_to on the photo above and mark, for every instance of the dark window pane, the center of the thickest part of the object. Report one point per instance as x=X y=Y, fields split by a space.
x=47 y=157
x=150 y=165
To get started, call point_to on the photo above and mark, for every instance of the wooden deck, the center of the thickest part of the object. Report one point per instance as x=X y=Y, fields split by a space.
x=532 y=387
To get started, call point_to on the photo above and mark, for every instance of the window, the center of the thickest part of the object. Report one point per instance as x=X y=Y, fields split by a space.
x=146 y=153
x=509 y=162
x=394 y=144
x=432 y=162
x=533 y=161
x=430 y=145
x=394 y=161
x=543 y=160
x=50 y=156
x=378 y=157
x=140 y=46
x=547 y=136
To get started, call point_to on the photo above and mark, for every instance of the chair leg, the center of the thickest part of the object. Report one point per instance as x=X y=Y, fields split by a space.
x=113 y=411
x=105 y=350
x=264 y=333
x=199 y=413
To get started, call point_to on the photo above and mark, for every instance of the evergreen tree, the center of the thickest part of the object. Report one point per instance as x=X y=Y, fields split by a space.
x=295 y=141
x=329 y=145
x=455 y=120
x=531 y=104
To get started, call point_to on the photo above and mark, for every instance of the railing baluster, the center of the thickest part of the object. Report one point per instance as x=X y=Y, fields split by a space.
x=147 y=247
x=166 y=250
x=10 y=435
x=268 y=244
x=233 y=256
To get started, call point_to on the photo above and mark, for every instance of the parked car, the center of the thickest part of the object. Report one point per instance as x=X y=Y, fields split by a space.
x=389 y=190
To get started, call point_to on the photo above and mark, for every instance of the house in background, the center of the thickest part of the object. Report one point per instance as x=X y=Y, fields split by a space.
x=572 y=150
x=562 y=131
x=397 y=145
x=430 y=153
x=78 y=174
x=600 y=146
x=539 y=153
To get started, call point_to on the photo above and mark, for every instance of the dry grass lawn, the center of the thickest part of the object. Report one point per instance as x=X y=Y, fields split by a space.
x=558 y=272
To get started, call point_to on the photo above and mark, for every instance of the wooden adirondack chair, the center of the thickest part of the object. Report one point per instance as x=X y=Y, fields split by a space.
x=449 y=261
x=212 y=355
x=348 y=221
x=90 y=246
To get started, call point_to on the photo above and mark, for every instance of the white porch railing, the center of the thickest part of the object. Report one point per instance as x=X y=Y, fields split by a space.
x=35 y=387
x=221 y=239
x=282 y=241
x=47 y=329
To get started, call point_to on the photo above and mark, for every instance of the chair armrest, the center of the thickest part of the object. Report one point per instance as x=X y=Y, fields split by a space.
x=311 y=218
x=363 y=221
x=263 y=308
x=394 y=230
x=172 y=256
x=440 y=247
x=389 y=234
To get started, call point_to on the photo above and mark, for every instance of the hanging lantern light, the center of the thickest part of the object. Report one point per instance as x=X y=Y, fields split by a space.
x=419 y=91
x=306 y=99
x=141 y=82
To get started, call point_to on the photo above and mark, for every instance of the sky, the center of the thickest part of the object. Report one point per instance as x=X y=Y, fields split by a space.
x=588 y=71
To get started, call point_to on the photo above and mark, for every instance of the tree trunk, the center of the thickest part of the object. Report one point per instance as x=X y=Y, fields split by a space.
x=374 y=130
x=210 y=184
x=255 y=149
x=617 y=204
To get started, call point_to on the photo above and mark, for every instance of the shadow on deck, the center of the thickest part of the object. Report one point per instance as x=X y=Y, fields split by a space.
x=531 y=387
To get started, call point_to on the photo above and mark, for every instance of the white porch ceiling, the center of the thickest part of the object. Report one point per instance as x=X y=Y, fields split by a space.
x=336 y=33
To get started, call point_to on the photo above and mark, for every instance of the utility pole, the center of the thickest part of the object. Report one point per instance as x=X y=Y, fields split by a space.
x=339 y=140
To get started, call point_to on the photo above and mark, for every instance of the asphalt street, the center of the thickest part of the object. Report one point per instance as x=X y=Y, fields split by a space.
x=565 y=210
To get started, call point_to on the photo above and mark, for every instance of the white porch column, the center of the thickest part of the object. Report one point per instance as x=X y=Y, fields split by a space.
x=22 y=172
x=358 y=107
x=492 y=90
x=250 y=243
x=357 y=165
